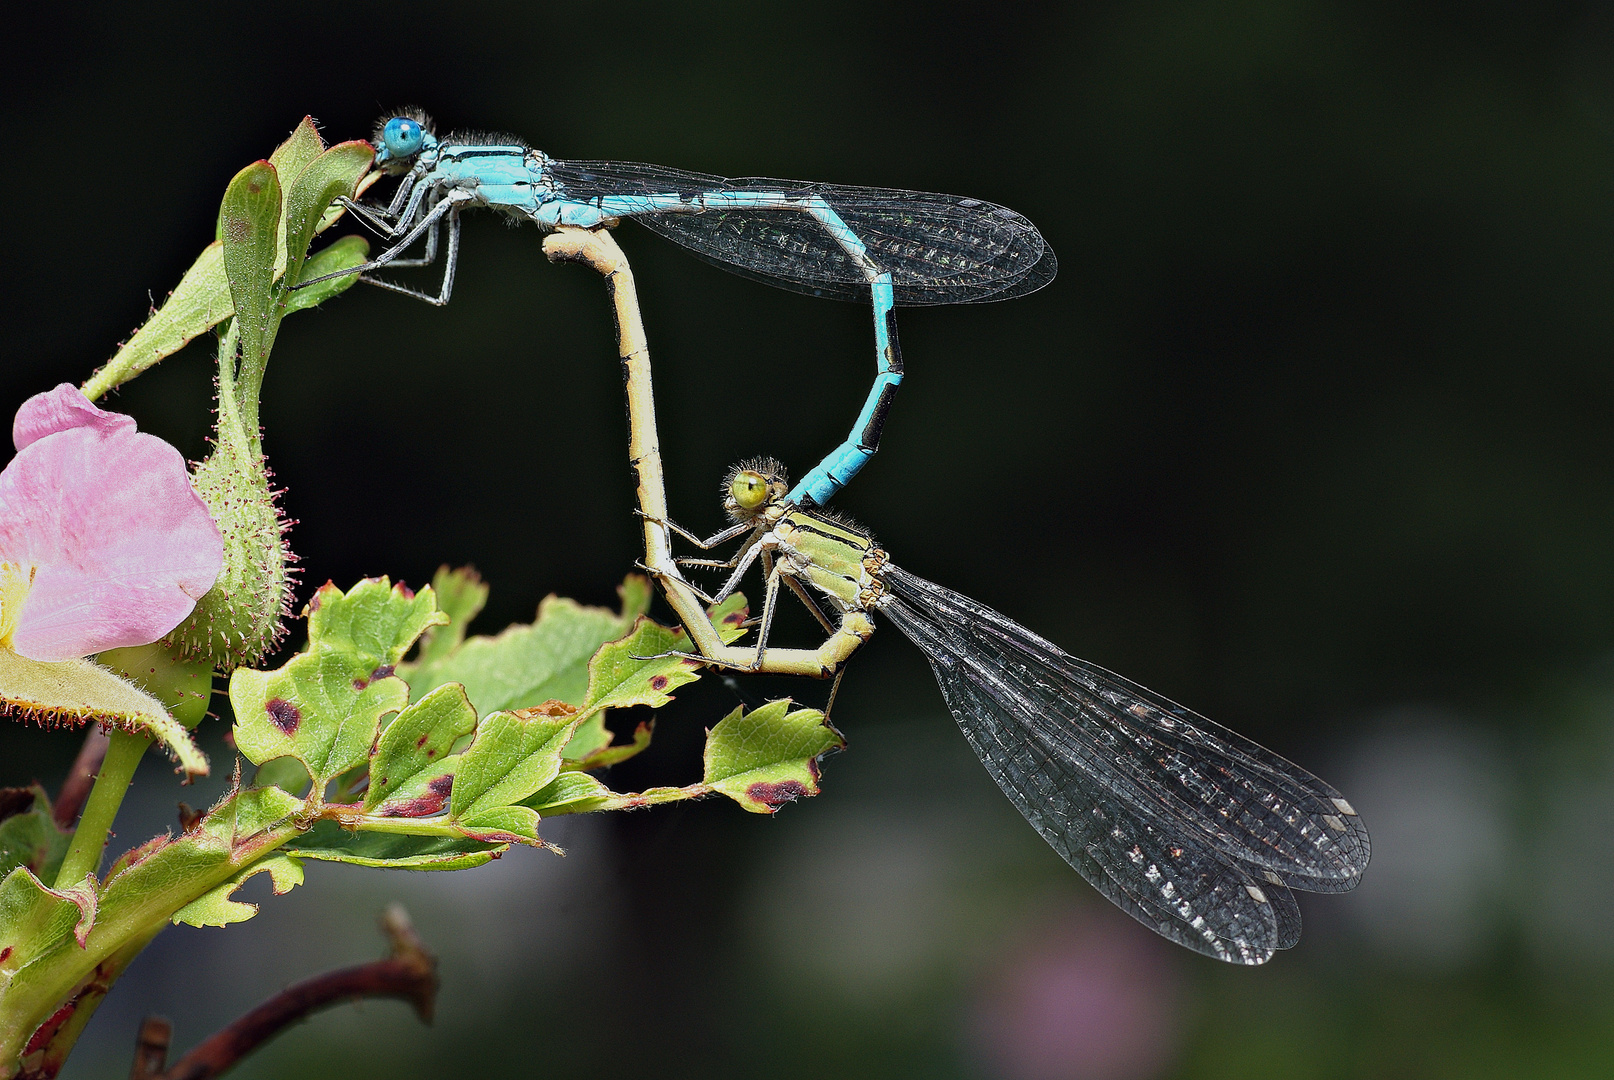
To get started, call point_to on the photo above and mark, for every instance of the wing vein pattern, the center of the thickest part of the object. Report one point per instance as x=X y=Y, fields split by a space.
x=940 y=249
x=1194 y=830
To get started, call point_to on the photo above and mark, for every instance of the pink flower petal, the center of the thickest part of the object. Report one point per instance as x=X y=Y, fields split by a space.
x=60 y=410
x=121 y=545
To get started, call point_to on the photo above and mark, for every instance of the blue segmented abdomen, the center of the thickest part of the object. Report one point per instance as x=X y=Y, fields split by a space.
x=939 y=249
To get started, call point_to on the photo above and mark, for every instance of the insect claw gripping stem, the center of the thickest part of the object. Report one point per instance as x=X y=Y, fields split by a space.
x=599 y=251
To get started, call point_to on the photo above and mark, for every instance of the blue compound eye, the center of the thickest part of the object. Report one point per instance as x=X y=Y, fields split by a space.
x=402 y=137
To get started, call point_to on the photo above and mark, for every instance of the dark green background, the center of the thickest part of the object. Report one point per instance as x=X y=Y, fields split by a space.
x=1312 y=433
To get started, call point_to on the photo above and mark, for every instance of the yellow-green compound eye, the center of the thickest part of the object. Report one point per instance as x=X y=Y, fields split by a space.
x=749 y=490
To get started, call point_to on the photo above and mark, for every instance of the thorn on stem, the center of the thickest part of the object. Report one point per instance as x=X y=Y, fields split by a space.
x=151 y=1048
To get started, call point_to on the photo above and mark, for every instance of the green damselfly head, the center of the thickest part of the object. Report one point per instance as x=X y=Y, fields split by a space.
x=752 y=486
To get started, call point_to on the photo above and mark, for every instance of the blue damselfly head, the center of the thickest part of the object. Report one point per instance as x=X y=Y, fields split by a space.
x=399 y=140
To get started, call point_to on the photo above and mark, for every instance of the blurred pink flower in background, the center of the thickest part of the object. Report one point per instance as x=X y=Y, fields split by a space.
x=103 y=541
x=1082 y=995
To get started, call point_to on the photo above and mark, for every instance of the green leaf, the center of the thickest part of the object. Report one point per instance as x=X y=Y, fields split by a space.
x=28 y=834
x=634 y=671
x=215 y=908
x=250 y=222
x=204 y=297
x=591 y=747
x=286 y=773
x=334 y=173
x=570 y=793
x=334 y=212
x=768 y=757
x=412 y=770
x=329 y=842
x=250 y=812
x=198 y=303
x=617 y=679
x=513 y=755
x=375 y=620
x=504 y=825
x=78 y=691
x=636 y=595
x=34 y=919
x=142 y=891
x=324 y=706
x=237 y=830
x=461 y=595
x=343 y=254
x=290 y=158
x=302 y=146
x=526 y=665
x=591 y=739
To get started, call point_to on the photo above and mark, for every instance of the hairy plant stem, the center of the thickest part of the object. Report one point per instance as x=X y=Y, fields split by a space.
x=80 y=778
x=120 y=932
x=123 y=755
x=233 y=425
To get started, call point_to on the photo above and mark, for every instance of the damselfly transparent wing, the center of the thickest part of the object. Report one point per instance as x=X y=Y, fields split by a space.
x=940 y=249
x=1191 y=828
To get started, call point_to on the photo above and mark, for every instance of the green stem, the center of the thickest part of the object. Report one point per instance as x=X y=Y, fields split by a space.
x=249 y=385
x=229 y=404
x=656 y=796
x=238 y=397
x=123 y=754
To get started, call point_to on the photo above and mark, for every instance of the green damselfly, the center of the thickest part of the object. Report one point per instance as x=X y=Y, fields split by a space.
x=1192 y=829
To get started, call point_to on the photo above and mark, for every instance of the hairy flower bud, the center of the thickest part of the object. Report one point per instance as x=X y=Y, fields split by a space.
x=242 y=618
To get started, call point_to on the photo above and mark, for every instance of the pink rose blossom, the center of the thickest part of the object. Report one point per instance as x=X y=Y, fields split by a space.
x=103 y=541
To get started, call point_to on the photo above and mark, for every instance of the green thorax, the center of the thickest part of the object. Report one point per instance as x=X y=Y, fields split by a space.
x=832 y=556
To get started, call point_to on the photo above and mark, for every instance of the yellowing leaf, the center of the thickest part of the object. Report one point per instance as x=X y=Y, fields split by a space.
x=78 y=691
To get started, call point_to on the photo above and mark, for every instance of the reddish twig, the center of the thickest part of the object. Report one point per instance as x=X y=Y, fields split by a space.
x=80 y=778
x=409 y=973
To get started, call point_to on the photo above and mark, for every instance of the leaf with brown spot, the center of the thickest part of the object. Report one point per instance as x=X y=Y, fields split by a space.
x=513 y=755
x=413 y=754
x=636 y=671
x=769 y=756
x=324 y=705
